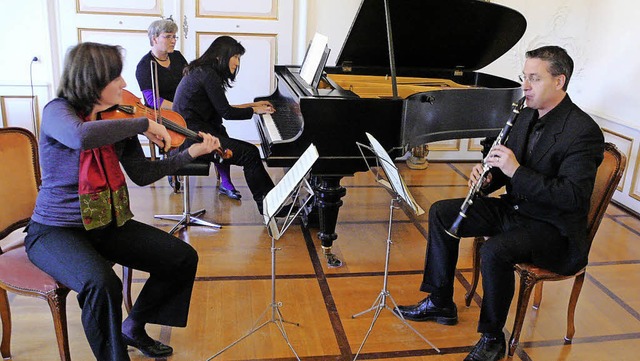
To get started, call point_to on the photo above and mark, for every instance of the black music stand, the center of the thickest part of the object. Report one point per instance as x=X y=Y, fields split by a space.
x=391 y=180
x=293 y=189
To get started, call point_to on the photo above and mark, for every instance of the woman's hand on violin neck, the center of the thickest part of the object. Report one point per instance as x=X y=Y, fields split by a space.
x=208 y=145
x=159 y=135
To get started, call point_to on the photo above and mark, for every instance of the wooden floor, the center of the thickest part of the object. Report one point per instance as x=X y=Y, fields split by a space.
x=233 y=285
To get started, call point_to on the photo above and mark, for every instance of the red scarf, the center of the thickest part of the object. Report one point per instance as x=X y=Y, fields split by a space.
x=102 y=188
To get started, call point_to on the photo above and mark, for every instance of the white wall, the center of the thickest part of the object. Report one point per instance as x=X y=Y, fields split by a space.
x=601 y=36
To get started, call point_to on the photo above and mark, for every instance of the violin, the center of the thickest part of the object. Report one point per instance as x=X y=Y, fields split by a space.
x=132 y=107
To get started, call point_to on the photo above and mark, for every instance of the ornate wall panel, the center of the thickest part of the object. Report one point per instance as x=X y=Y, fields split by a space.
x=255 y=78
x=245 y=9
x=625 y=145
x=135 y=42
x=18 y=111
x=445 y=145
x=123 y=7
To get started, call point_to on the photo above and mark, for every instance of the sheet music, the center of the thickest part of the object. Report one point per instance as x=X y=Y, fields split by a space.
x=281 y=192
x=393 y=175
x=313 y=59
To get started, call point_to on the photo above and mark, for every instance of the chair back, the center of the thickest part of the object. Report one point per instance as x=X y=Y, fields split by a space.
x=609 y=174
x=20 y=182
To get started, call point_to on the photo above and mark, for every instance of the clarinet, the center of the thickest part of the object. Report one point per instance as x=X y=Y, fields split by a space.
x=475 y=189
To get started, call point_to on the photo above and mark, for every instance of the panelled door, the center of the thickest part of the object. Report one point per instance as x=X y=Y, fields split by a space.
x=264 y=27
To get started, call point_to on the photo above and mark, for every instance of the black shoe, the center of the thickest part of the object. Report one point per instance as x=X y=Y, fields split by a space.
x=231 y=193
x=153 y=349
x=174 y=182
x=425 y=310
x=489 y=348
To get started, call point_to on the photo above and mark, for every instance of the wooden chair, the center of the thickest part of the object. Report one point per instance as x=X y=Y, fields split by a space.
x=607 y=178
x=18 y=192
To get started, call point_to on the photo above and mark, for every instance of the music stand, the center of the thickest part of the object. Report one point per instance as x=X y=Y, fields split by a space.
x=391 y=180
x=295 y=192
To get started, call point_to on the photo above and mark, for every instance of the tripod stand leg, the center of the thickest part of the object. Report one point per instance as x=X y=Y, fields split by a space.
x=398 y=315
x=376 y=305
x=280 y=323
x=378 y=309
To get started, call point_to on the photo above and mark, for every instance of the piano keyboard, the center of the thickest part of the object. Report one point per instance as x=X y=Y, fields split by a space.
x=284 y=124
x=271 y=128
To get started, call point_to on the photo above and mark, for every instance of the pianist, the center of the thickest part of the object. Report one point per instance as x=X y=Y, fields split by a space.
x=200 y=98
x=548 y=166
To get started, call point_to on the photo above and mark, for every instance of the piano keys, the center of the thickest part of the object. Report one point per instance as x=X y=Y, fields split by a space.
x=439 y=45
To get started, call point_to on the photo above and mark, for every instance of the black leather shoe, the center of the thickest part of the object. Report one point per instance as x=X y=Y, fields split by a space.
x=153 y=349
x=425 y=310
x=489 y=348
x=174 y=182
x=231 y=193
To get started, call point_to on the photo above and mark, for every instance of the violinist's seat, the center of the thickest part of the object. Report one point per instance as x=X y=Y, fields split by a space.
x=18 y=192
x=188 y=217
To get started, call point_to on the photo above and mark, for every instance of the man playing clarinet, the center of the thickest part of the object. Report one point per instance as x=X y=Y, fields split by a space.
x=548 y=166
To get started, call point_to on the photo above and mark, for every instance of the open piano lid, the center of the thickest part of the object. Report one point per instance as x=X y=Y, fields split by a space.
x=432 y=34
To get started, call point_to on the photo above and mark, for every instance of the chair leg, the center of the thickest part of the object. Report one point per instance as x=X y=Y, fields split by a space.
x=527 y=282
x=573 y=300
x=58 y=305
x=127 y=276
x=537 y=297
x=5 y=317
x=187 y=217
x=477 y=243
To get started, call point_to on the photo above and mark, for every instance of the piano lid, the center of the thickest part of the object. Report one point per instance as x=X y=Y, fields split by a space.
x=432 y=34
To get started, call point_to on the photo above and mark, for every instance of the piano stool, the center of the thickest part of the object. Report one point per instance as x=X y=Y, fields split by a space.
x=189 y=217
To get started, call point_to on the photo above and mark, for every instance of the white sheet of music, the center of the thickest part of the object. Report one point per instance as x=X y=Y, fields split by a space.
x=393 y=175
x=313 y=58
x=281 y=192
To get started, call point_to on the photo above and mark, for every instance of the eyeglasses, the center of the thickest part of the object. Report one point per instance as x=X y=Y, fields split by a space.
x=530 y=78
x=169 y=37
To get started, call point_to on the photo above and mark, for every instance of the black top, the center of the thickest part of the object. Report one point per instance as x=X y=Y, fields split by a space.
x=201 y=100
x=432 y=34
x=168 y=78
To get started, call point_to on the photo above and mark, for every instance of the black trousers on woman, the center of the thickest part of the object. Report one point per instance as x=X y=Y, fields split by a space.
x=82 y=260
x=247 y=156
x=514 y=239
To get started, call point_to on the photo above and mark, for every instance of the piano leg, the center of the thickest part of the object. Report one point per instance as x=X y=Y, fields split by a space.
x=328 y=200
x=418 y=158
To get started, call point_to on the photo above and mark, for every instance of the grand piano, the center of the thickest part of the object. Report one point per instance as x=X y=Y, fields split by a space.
x=433 y=92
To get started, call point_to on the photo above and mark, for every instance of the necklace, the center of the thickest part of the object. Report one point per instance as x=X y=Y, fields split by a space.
x=158 y=59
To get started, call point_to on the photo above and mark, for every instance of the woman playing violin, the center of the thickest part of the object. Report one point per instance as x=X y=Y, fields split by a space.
x=82 y=223
x=201 y=100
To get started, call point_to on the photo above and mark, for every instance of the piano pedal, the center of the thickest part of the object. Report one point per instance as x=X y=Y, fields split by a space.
x=332 y=259
x=418 y=157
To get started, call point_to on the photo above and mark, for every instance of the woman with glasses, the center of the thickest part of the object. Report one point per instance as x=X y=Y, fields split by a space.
x=170 y=63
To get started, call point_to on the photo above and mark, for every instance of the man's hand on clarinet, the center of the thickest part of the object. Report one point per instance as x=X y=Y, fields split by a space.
x=475 y=175
x=503 y=158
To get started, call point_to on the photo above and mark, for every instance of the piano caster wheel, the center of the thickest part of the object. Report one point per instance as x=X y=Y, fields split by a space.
x=332 y=259
x=418 y=158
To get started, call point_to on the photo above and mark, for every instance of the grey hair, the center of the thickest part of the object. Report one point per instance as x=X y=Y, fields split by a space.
x=161 y=26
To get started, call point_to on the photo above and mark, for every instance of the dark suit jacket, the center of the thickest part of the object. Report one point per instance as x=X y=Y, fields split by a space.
x=555 y=185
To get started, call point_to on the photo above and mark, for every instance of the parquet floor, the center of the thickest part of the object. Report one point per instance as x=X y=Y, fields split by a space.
x=233 y=285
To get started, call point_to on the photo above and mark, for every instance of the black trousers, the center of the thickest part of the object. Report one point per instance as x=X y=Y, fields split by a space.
x=82 y=260
x=514 y=239
x=247 y=156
